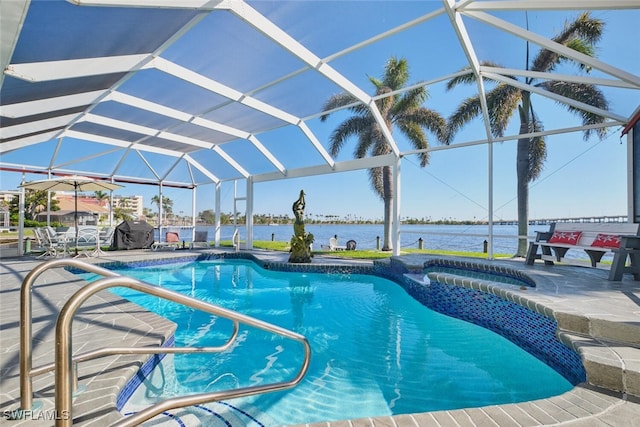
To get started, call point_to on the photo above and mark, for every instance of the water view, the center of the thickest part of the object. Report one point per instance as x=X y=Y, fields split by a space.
x=468 y=238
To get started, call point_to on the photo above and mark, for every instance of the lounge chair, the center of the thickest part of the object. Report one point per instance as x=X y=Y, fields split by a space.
x=201 y=238
x=333 y=245
x=171 y=242
x=106 y=236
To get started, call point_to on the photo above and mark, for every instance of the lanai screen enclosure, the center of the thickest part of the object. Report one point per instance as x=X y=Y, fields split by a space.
x=194 y=93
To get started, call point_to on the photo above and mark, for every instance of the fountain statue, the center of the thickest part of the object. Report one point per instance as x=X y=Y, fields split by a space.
x=301 y=241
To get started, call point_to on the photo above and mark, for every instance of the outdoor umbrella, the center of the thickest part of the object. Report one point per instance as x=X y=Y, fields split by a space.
x=68 y=183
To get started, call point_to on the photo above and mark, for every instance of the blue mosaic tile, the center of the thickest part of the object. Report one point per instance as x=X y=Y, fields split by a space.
x=532 y=331
x=131 y=386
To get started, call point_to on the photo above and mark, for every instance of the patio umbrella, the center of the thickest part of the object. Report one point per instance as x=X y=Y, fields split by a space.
x=73 y=183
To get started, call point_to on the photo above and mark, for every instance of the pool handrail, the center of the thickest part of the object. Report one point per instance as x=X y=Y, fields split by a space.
x=64 y=377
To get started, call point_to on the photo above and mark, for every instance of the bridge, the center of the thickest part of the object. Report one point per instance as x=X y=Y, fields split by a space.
x=582 y=219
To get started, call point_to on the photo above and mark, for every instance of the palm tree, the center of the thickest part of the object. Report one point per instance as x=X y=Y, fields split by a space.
x=101 y=196
x=504 y=100
x=403 y=110
x=167 y=205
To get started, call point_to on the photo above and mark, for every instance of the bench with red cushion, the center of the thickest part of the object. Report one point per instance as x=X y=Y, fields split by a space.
x=595 y=238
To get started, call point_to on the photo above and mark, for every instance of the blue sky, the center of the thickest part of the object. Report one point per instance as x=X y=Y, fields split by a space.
x=580 y=178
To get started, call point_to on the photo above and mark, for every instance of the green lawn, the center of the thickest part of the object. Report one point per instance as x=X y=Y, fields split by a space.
x=363 y=254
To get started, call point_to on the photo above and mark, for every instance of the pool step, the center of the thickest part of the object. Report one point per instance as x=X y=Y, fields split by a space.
x=213 y=414
x=612 y=330
x=613 y=365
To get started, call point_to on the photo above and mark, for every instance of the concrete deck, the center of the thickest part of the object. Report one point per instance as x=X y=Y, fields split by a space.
x=599 y=318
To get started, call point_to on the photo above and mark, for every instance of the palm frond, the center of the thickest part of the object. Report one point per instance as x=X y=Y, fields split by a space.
x=337 y=101
x=426 y=119
x=417 y=138
x=366 y=140
x=501 y=103
x=587 y=28
x=467 y=111
x=410 y=100
x=584 y=28
x=468 y=78
x=586 y=93
x=396 y=73
x=350 y=127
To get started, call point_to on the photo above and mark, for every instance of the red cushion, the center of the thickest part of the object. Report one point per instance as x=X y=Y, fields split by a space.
x=172 y=237
x=607 y=241
x=566 y=237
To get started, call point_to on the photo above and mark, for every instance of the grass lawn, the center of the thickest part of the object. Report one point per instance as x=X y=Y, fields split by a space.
x=363 y=254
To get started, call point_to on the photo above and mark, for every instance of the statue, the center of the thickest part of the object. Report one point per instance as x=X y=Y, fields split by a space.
x=301 y=241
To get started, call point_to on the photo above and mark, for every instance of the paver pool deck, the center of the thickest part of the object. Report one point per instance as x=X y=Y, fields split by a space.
x=599 y=318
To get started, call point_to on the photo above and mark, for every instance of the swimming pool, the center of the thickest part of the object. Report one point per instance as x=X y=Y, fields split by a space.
x=376 y=350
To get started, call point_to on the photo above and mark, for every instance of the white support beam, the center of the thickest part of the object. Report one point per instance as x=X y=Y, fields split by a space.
x=597 y=81
x=36 y=126
x=26 y=141
x=39 y=106
x=274 y=161
x=146 y=162
x=11 y=22
x=231 y=161
x=552 y=5
x=201 y=168
x=316 y=144
x=175 y=4
x=382 y=124
x=514 y=138
x=555 y=47
x=199 y=121
x=222 y=90
x=555 y=97
x=395 y=208
x=472 y=58
x=171 y=168
x=85 y=158
x=143 y=104
x=249 y=213
x=145 y=130
x=73 y=68
x=346 y=166
x=218 y=216
x=119 y=143
x=275 y=33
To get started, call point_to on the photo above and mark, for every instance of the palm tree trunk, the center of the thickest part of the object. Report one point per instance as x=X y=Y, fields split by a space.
x=522 y=167
x=387 y=179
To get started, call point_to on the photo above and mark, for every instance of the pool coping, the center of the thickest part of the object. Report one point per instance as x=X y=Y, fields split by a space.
x=584 y=402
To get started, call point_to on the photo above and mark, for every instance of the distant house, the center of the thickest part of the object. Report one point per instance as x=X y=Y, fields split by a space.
x=89 y=208
x=66 y=217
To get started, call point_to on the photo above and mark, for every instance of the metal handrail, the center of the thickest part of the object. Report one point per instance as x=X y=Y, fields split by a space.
x=26 y=369
x=63 y=358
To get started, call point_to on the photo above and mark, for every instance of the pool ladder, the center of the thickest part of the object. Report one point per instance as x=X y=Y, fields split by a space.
x=66 y=377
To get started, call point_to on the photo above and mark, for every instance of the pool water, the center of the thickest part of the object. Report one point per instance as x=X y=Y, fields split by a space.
x=375 y=350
